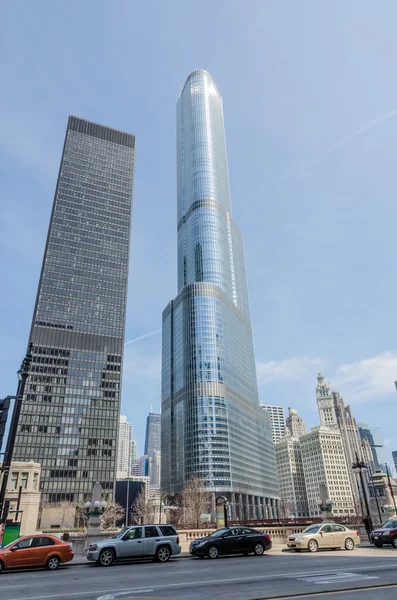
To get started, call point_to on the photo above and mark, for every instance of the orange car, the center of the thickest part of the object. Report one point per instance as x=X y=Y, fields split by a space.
x=35 y=551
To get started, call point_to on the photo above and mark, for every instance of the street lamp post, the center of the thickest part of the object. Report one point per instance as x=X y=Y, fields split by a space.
x=23 y=374
x=375 y=495
x=360 y=467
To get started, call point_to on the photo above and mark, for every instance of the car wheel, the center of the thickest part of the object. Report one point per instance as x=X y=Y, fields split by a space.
x=378 y=544
x=312 y=546
x=394 y=542
x=349 y=544
x=213 y=552
x=106 y=558
x=163 y=554
x=259 y=549
x=52 y=563
x=1 y=567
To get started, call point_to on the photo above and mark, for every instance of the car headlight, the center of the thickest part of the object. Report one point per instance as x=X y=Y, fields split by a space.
x=200 y=544
x=93 y=547
x=386 y=533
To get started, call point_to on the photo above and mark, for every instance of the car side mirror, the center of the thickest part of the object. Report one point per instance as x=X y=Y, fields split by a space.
x=13 y=549
x=321 y=533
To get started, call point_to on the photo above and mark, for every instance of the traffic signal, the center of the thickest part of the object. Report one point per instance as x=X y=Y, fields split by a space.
x=4 y=406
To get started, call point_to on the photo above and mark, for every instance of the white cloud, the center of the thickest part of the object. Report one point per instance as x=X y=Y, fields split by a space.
x=288 y=369
x=367 y=379
x=142 y=337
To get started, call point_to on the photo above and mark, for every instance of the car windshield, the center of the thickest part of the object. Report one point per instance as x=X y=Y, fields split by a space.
x=390 y=524
x=312 y=529
x=218 y=533
x=8 y=545
x=120 y=533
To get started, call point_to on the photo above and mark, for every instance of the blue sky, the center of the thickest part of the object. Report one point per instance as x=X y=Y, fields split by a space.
x=310 y=100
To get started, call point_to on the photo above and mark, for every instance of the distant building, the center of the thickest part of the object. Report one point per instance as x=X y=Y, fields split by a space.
x=291 y=477
x=277 y=419
x=366 y=434
x=127 y=491
x=124 y=448
x=134 y=452
x=154 y=468
x=324 y=461
x=25 y=475
x=333 y=413
x=366 y=453
x=394 y=455
x=153 y=433
x=384 y=493
x=295 y=424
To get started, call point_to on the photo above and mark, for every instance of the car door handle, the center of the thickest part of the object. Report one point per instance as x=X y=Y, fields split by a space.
x=157 y=540
x=140 y=542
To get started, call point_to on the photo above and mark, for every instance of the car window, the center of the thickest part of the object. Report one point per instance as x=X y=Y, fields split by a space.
x=42 y=541
x=326 y=529
x=312 y=529
x=134 y=534
x=234 y=531
x=246 y=531
x=26 y=543
x=390 y=525
x=338 y=528
x=167 y=530
x=120 y=534
x=151 y=531
x=218 y=533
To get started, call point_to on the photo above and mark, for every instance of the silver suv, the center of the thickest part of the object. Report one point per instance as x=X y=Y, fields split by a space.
x=158 y=541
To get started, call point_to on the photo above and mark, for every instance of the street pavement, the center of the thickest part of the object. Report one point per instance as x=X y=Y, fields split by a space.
x=278 y=574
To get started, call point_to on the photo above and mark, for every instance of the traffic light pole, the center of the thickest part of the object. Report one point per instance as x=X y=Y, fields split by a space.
x=23 y=374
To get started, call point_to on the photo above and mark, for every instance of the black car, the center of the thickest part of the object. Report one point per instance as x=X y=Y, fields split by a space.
x=387 y=534
x=231 y=540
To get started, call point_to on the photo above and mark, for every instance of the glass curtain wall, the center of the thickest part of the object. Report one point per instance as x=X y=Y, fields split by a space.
x=212 y=424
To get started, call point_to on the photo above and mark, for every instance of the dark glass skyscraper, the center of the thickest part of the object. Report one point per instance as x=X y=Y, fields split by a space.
x=70 y=410
x=153 y=433
x=212 y=423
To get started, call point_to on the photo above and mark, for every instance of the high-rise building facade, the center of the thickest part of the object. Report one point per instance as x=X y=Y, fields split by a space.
x=291 y=477
x=295 y=424
x=124 y=448
x=334 y=414
x=366 y=434
x=277 y=419
x=70 y=411
x=212 y=423
x=324 y=462
x=394 y=455
x=153 y=433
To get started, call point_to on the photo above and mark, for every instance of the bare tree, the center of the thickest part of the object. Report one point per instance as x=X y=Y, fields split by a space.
x=114 y=512
x=194 y=501
x=144 y=509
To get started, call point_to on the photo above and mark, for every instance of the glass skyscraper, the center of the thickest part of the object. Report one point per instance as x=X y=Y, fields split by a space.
x=212 y=423
x=70 y=410
x=153 y=433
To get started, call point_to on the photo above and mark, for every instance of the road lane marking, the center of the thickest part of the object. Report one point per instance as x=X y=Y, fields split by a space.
x=201 y=582
x=337 y=578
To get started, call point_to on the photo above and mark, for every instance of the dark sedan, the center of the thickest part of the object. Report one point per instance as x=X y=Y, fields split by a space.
x=231 y=540
x=387 y=534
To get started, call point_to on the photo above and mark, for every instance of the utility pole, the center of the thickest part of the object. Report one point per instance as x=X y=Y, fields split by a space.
x=23 y=374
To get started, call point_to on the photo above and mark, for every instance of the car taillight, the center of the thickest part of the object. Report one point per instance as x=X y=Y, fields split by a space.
x=357 y=533
x=177 y=540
